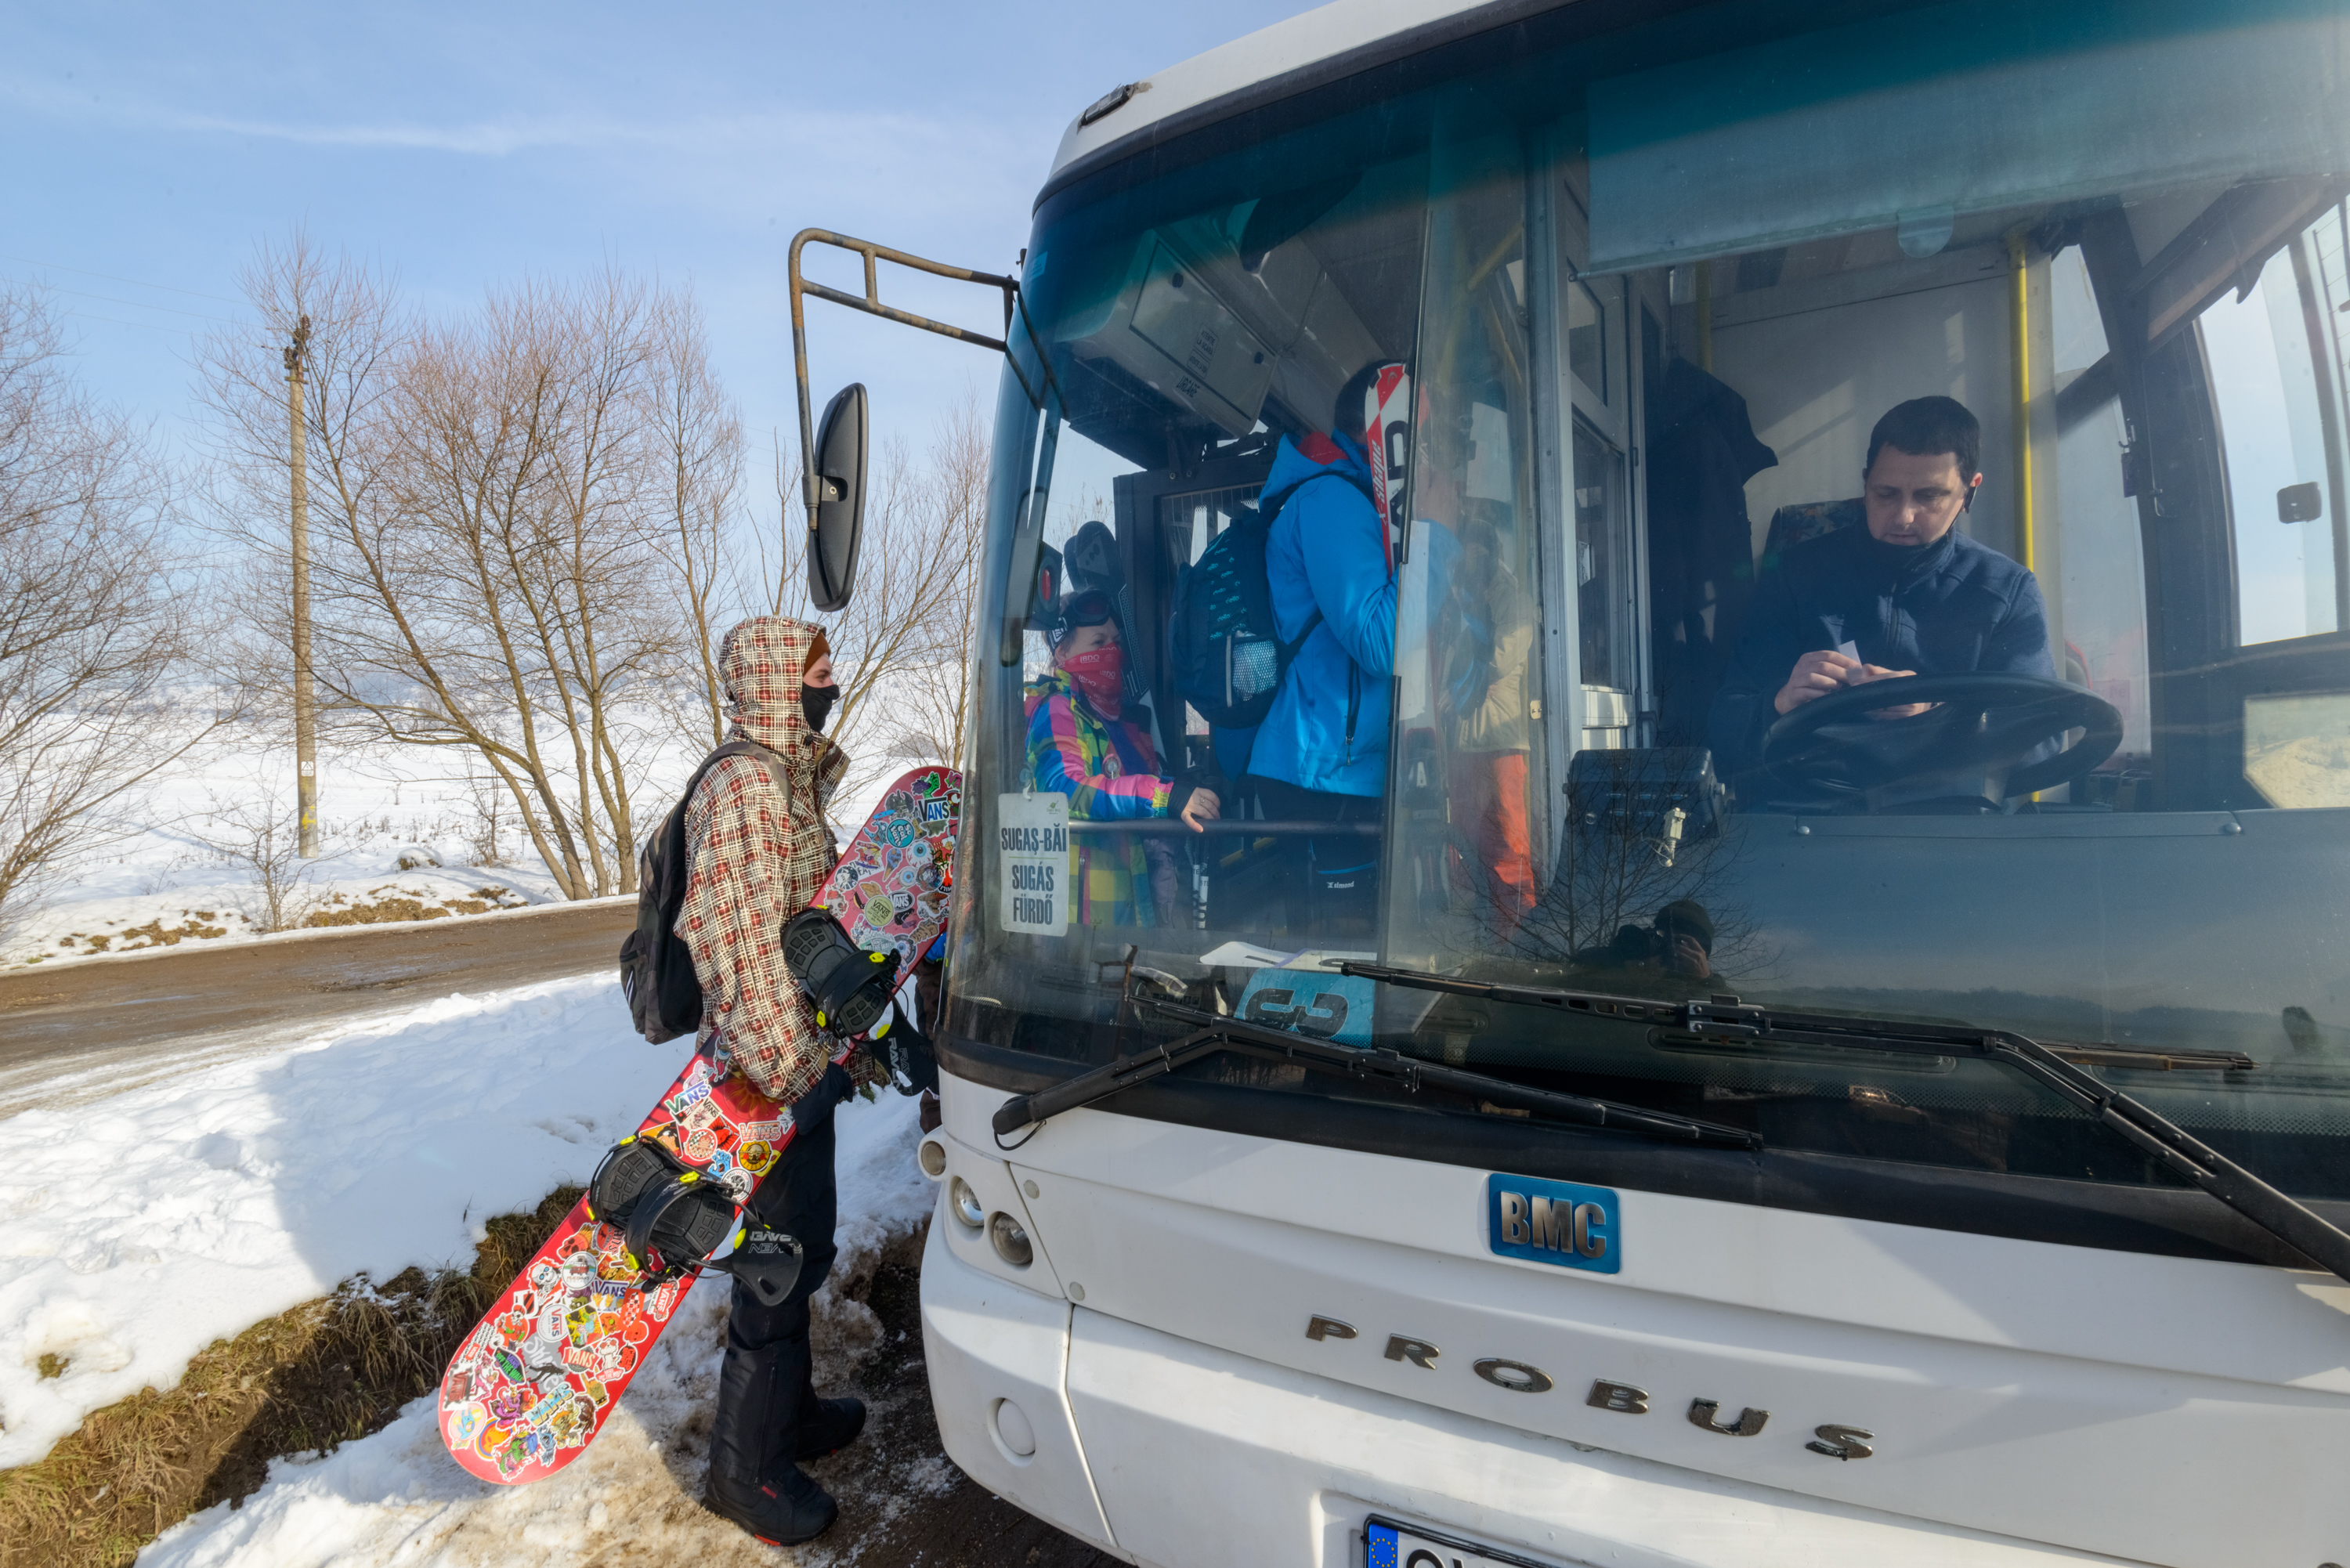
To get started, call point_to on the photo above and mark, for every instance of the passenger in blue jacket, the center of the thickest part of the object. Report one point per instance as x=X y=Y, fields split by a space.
x=1321 y=754
x=1908 y=594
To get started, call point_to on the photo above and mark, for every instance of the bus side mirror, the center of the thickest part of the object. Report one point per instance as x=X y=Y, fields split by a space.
x=2300 y=504
x=839 y=521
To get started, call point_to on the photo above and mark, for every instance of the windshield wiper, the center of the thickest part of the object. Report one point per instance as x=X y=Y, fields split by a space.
x=1215 y=1033
x=1726 y=1019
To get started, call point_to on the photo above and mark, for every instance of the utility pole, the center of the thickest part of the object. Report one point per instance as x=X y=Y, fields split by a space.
x=306 y=735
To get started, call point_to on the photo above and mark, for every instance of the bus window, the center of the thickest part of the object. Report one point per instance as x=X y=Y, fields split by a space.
x=1197 y=720
x=2277 y=421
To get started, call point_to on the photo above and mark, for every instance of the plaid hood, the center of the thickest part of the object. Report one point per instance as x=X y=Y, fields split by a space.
x=759 y=664
x=761 y=852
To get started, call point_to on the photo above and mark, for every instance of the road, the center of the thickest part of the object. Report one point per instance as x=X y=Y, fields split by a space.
x=96 y=1026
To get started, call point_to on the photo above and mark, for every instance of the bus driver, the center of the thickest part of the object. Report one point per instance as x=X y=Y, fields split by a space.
x=1909 y=595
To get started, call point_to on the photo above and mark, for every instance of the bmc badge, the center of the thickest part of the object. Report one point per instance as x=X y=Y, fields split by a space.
x=1560 y=1223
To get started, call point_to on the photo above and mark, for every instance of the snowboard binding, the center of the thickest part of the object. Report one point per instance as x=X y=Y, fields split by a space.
x=672 y=1218
x=849 y=986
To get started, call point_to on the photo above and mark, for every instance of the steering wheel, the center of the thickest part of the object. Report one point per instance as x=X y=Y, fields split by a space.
x=1985 y=741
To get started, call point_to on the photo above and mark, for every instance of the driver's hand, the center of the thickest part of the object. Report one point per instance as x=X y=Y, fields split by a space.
x=1868 y=673
x=1815 y=675
x=1204 y=806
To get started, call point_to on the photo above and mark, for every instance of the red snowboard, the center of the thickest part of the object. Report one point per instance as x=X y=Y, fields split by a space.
x=531 y=1384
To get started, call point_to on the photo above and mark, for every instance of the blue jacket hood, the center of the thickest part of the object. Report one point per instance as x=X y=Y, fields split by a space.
x=1296 y=463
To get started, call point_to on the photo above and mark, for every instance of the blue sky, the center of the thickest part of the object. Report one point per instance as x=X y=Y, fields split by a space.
x=150 y=148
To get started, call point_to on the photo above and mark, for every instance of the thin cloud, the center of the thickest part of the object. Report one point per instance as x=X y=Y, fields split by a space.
x=499 y=137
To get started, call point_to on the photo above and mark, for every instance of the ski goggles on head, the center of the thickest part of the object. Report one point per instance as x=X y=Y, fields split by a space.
x=1091 y=608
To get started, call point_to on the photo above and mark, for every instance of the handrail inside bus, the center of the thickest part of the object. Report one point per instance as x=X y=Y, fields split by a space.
x=1170 y=827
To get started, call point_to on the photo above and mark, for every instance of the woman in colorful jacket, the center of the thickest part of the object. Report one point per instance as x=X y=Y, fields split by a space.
x=1081 y=745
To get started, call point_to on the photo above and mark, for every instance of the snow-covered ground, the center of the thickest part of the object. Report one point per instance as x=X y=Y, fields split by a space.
x=177 y=866
x=396 y=1498
x=406 y=833
x=144 y=1226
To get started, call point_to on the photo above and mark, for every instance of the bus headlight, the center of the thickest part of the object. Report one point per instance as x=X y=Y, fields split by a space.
x=964 y=1203
x=1011 y=1240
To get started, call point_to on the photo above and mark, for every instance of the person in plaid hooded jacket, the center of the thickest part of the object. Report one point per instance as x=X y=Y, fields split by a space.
x=759 y=852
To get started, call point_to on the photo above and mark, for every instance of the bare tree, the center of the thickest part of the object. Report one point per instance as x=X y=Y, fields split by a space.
x=1621 y=867
x=94 y=614
x=529 y=536
x=901 y=651
x=931 y=692
x=261 y=832
x=492 y=576
x=699 y=454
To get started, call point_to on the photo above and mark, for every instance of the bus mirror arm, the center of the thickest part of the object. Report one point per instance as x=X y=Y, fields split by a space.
x=1215 y=1033
x=2058 y=1068
x=832 y=470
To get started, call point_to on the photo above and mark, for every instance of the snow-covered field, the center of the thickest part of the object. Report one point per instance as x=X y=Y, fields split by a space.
x=177 y=866
x=404 y=830
x=144 y=1226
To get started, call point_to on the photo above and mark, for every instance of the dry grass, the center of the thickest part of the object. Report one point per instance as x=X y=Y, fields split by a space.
x=325 y=1373
x=404 y=907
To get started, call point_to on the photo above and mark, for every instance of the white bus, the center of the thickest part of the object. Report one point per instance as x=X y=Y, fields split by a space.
x=1565 y=1109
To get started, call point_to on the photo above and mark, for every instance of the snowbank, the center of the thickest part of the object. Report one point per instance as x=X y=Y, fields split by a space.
x=139 y=1229
x=397 y=1497
x=398 y=833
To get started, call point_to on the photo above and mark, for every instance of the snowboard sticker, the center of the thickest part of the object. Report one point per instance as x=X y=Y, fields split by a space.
x=531 y=1386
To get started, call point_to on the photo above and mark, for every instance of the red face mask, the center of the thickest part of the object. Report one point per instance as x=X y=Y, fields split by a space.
x=1101 y=676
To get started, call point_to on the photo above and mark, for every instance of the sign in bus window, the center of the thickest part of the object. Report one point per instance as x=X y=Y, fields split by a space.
x=1032 y=839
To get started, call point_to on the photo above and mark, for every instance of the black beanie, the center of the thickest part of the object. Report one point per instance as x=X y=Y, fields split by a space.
x=1687 y=915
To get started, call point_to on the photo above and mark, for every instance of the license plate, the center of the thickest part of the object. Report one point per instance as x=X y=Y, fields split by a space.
x=1394 y=1544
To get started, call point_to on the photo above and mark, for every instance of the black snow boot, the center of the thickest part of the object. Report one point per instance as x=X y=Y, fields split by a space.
x=758 y=1393
x=785 y=1511
x=826 y=1426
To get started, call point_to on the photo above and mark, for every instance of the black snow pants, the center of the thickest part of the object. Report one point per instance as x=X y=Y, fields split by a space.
x=765 y=1385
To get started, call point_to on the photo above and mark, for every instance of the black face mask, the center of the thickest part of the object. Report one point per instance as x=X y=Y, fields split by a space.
x=1901 y=562
x=816 y=704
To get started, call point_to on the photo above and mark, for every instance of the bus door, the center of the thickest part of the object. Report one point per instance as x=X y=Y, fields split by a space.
x=1608 y=563
x=1166 y=521
x=2227 y=372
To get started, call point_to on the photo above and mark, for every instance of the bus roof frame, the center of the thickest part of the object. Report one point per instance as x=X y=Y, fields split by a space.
x=1307 y=50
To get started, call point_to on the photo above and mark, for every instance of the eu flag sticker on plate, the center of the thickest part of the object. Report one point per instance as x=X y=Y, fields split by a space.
x=1392 y=1544
x=1561 y=1223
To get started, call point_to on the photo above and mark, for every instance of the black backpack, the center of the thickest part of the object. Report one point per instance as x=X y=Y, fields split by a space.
x=1222 y=641
x=655 y=968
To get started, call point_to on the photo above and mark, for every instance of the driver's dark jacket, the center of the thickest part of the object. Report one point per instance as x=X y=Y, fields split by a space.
x=1958 y=606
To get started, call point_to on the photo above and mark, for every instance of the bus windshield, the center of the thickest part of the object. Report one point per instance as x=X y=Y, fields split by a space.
x=1850 y=518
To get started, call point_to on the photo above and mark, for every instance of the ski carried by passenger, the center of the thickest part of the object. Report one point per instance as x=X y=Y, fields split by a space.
x=531 y=1384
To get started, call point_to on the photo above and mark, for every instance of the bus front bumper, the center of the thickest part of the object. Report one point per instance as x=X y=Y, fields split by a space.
x=1173 y=1454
